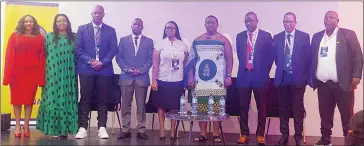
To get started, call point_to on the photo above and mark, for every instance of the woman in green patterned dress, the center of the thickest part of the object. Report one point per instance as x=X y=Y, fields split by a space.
x=57 y=114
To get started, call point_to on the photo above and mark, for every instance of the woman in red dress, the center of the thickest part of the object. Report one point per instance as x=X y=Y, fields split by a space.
x=24 y=69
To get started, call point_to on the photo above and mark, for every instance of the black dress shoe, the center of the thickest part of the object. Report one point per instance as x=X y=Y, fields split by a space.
x=63 y=137
x=323 y=142
x=124 y=135
x=299 y=142
x=283 y=141
x=142 y=136
x=174 y=138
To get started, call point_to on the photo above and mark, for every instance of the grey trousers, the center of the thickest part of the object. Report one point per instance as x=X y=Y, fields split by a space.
x=127 y=99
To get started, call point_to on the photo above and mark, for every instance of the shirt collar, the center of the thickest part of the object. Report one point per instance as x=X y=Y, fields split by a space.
x=94 y=25
x=333 y=33
x=255 y=32
x=139 y=36
x=292 y=33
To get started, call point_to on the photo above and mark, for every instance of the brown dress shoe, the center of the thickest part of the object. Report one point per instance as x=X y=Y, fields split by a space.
x=243 y=140
x=260 y=140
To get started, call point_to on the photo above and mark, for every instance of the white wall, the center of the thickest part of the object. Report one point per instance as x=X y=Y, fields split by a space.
x=190 y=17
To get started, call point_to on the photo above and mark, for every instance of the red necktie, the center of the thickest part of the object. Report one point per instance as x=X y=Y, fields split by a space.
x=249 y=49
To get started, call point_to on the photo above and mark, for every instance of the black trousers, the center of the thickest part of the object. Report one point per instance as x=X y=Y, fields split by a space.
x=290 y=100
x=260 y=95
x=329 y=95
x=93 y=88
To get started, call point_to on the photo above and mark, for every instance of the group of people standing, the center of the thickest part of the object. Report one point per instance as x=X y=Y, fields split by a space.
x=332 y=63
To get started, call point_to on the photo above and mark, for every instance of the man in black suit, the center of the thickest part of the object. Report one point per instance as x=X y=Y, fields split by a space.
x=293 y=54
x=337 y=64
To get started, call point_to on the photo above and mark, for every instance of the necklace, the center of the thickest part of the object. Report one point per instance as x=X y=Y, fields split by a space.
x=212 y=37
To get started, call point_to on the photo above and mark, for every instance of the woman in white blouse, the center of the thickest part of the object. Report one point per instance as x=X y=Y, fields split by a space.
x=169 y=59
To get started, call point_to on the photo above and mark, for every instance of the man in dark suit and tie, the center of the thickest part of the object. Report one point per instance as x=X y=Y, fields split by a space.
x=134 y=59
x=256 y=54
x=96 y=46
x=292 y=50
x=337 y=64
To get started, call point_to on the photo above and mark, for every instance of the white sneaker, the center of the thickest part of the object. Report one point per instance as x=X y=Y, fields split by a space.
x=102 y=133
x=82 y=133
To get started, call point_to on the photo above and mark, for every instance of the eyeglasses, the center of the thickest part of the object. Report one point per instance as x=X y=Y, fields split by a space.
x=286 y=22
x=61 y=21
x=171 y=28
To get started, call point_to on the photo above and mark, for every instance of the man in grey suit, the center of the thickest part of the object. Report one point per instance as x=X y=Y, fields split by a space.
x=337 y=65
x=135 y=59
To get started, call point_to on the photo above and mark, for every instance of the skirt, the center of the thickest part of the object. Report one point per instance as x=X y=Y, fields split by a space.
x=23 y=88
x=168 y=95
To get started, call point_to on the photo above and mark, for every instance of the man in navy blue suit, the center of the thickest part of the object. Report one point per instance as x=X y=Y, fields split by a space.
x=292 y=50
x=255 y=53
x=96 y=46
x=337 y=65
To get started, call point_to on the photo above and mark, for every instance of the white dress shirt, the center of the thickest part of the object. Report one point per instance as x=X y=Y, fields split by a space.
x=169 y=51
x=326 y=68
x=136 y=47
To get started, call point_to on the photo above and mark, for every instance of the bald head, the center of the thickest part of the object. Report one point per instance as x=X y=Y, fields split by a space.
x=97 y=14
x=137 y=19
x=98 y=8
x=137 y=26
x=331 y=21
x=252 y=14
x=332 y=13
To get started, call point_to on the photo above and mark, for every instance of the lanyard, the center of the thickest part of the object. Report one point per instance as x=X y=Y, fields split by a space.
x=97 y=53
x=289 y=44
x=251 y=43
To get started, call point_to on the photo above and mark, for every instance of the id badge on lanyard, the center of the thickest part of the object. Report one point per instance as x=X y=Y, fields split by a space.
x=325 y=48
x=290 y=47
x=175 y=60
x=97 y=53
x=251 y=53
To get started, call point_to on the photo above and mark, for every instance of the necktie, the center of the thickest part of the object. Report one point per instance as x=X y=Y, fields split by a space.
x=249 y=59
x=97 y=36
x=287 y=53
x=136 y=45
x=97 y=42
x=136 y=42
